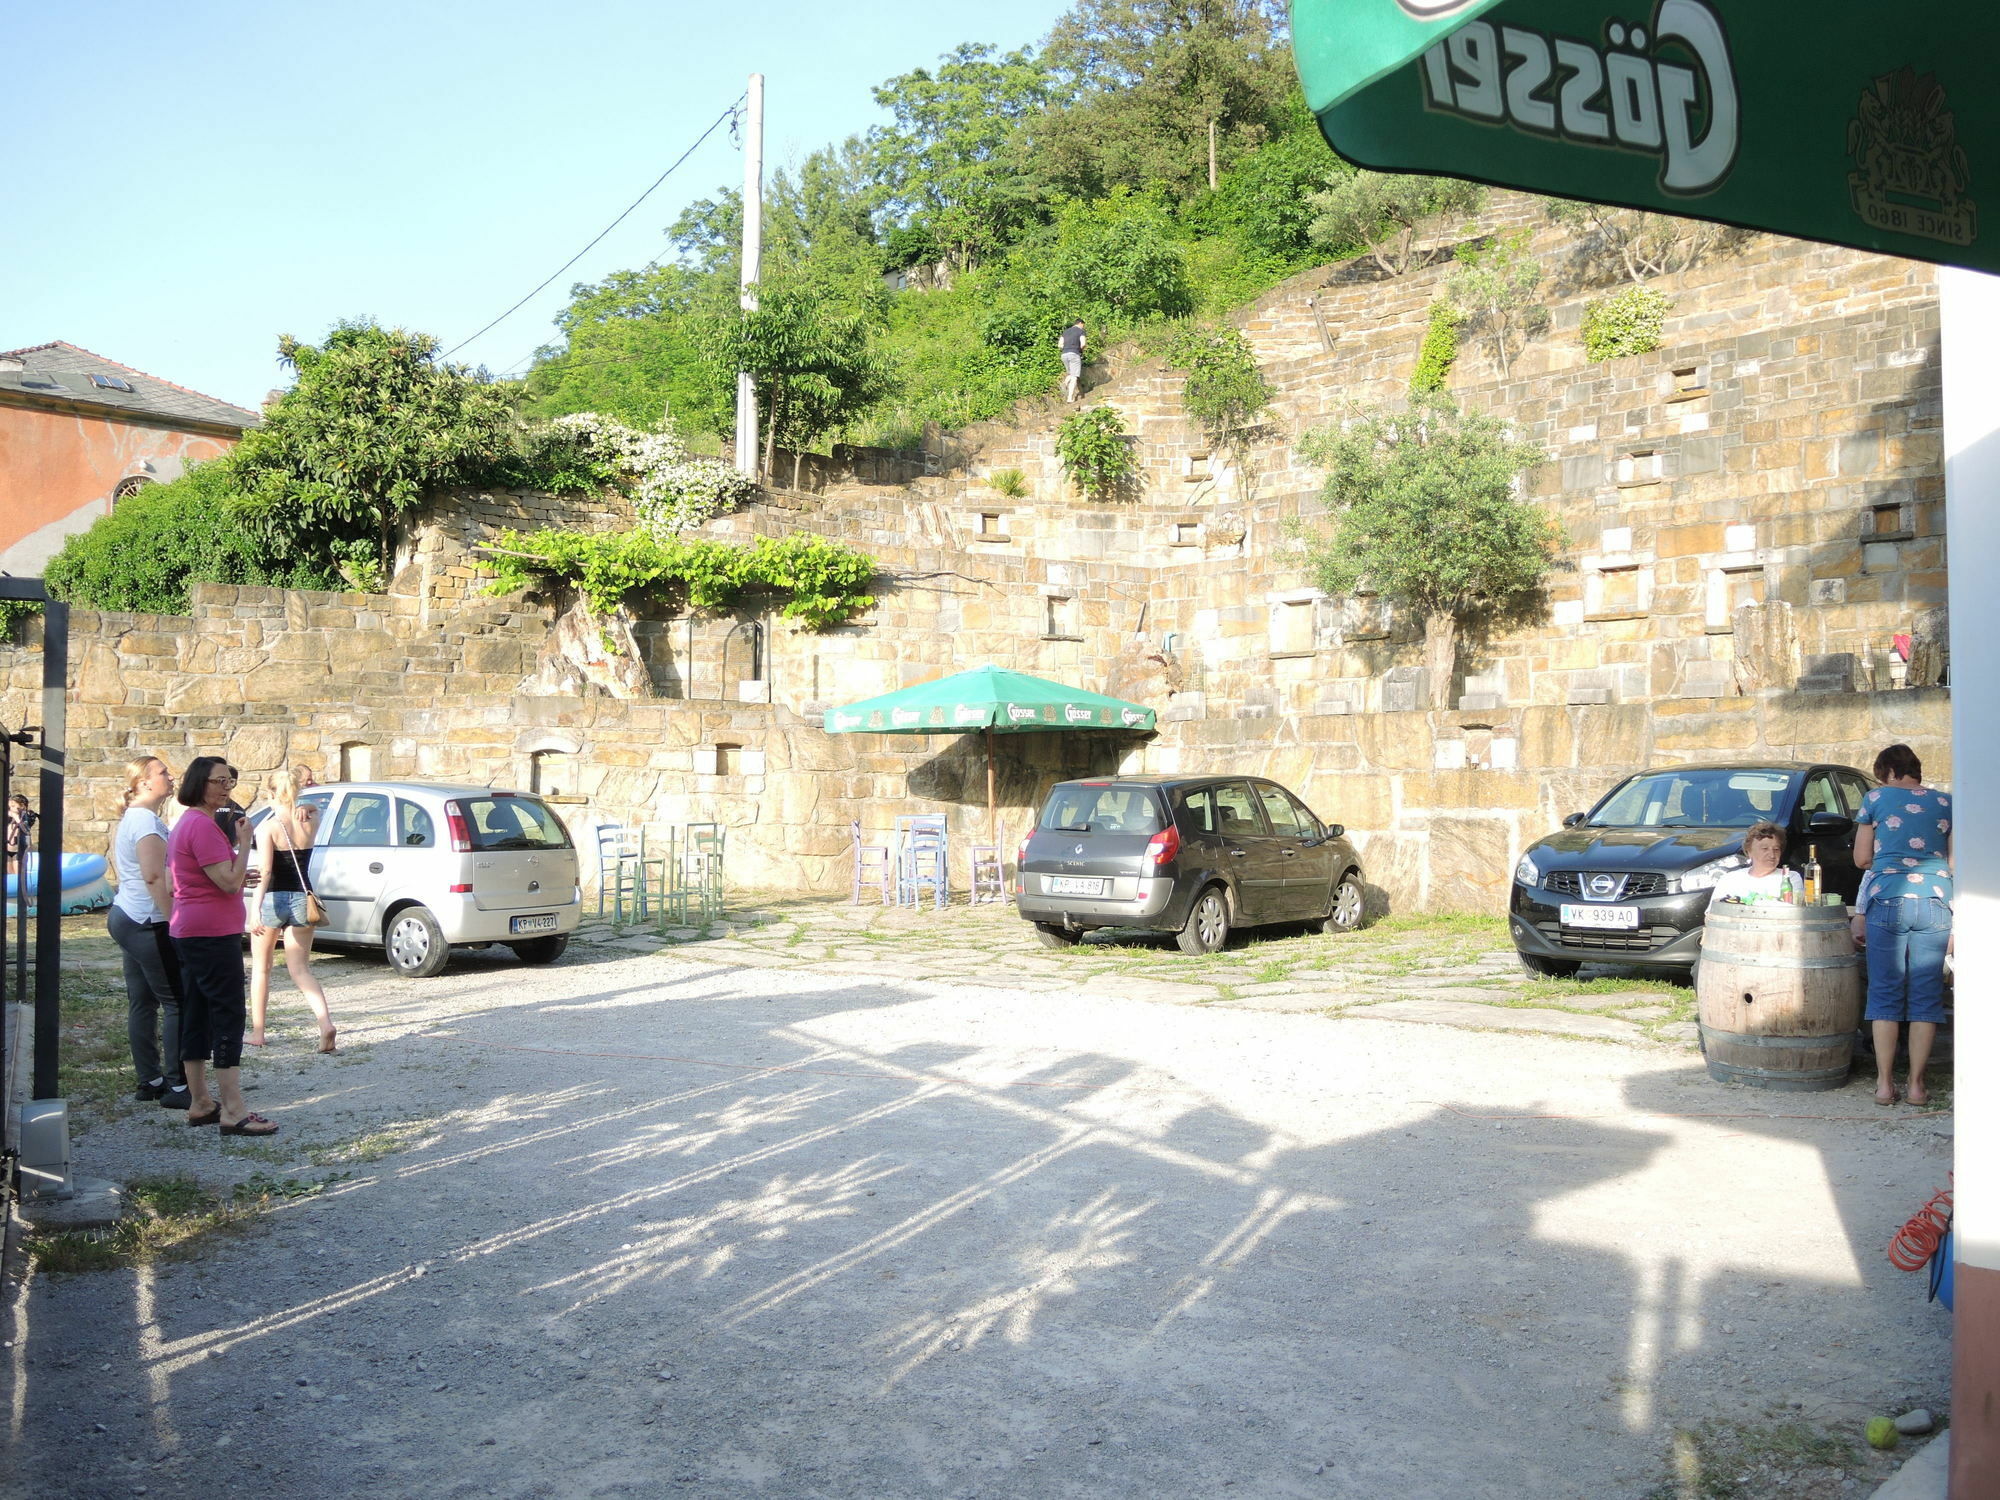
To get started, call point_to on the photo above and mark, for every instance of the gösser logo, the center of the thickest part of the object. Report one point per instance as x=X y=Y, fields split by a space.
x=1627 y=96
x=1431 y=10
x=1079 y=715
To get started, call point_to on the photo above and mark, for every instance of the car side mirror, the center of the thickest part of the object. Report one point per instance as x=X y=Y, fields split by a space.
x=1335 y=831
x=1574 y=820
x=1829 y=825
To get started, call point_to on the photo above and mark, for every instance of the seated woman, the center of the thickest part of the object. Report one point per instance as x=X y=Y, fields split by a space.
x=1764 y=881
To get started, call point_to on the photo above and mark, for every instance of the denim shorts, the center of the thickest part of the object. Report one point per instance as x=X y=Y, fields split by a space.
x=284 y=909
x=1906 y=946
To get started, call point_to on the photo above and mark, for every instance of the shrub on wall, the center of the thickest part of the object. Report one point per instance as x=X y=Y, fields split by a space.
x=1627 y=322
x=824 y=583
x=1094 y=452
x=672 y=490
x=1225 y=388
x=1439 y=349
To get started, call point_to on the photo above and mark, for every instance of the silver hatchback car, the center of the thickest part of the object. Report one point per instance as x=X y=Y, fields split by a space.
x=419 y=868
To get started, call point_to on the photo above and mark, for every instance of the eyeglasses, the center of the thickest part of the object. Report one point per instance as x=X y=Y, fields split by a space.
x=226 y=778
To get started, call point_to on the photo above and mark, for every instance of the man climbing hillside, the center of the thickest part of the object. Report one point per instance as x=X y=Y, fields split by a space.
x=1071 y=342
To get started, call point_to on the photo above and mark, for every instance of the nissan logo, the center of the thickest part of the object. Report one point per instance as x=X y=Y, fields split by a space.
x=1603 y=887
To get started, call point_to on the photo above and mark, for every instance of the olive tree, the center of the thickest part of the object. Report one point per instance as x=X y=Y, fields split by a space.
x=1422 y=504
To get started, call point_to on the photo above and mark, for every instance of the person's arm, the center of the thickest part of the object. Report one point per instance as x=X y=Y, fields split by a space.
x=152 y=853
x=1864 y=845
x=228 y=877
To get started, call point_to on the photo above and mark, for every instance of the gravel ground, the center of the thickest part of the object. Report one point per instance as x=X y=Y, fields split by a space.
x=656 y=1224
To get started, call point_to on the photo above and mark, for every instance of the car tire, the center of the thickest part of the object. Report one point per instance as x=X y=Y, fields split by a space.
x=1537 y=967
x=1207 y=927
x=414 y=943
x=544 y=950
x=1349 y=912
x=1052 y=936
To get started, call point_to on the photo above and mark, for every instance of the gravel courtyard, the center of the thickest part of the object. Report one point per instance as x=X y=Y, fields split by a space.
x=827 y=1203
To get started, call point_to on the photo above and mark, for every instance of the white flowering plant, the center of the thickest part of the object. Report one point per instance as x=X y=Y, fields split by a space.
x=672 y=490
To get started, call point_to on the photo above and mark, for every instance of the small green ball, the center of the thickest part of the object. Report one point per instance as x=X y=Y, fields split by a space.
x=1882 y=1433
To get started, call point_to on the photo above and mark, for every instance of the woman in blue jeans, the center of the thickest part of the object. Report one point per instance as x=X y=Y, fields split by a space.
x=1903 y=841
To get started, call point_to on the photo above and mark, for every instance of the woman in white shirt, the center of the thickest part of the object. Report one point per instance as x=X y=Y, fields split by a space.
x=1763 y=881
x=138 y=923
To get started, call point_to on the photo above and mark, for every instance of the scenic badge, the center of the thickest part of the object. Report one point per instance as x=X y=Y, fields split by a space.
x=1911 y=172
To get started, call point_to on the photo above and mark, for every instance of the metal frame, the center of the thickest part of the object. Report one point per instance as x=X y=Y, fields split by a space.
x=53 y=739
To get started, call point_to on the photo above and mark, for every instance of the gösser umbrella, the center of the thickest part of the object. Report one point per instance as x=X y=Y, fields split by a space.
x=1857 y=123
x=987 y=698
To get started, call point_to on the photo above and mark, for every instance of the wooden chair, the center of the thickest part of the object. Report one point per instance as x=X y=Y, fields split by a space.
x=873 y=869
x=701 y=859
x=921 y=865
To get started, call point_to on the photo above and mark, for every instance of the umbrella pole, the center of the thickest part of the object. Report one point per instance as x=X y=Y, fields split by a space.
x=992 y=816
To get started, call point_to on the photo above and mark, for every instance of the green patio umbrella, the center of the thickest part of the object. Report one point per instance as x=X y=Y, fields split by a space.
x=1846 y=120
x=989 y=699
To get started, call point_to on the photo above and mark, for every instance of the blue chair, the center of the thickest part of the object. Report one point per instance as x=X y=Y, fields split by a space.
x=921 y=864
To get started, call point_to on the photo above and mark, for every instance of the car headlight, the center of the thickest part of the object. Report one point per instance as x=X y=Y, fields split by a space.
x=1704 y=877
x=1527 y=872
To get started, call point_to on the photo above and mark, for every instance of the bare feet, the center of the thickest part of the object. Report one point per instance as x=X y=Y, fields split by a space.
x=254 y=1041
x=327 y=1038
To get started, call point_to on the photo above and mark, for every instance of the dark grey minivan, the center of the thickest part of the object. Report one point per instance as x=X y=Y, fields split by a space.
x=1194 y=856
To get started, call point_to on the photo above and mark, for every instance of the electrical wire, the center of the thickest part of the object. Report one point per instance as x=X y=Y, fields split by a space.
x=728 y=115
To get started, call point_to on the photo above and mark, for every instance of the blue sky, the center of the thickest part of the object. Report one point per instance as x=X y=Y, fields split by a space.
x=185 y=182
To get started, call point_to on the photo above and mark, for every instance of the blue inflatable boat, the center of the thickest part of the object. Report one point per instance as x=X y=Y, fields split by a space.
x=86 y=884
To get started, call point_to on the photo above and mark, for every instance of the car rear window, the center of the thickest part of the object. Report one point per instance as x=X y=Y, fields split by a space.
x=512 y=823
x=1084 y=808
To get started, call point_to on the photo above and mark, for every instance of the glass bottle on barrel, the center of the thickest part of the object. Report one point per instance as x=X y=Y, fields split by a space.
x=1812 y=875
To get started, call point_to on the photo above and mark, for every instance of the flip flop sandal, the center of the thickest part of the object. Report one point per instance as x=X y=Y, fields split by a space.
x=251 y=1125
x=213 y=1117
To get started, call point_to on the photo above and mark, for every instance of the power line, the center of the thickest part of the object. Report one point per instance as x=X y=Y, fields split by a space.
x=727 y=114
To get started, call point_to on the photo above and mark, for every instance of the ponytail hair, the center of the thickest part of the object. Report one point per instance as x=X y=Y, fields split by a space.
x=135 y=773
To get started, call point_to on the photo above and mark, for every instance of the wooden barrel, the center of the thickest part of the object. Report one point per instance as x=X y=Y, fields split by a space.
x=1779 y=994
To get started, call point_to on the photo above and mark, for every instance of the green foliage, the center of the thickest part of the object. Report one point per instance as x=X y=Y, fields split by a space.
x=1115 y=260
x=825 y=582
x=812 y=363
x=1421 y=504
x=144 y=555
x=1264 y=202
x=1632 y=243
x=1096 y=453
x=1627 y=322
x=1225 y=390
x=373 y=425
x=1497 y=287
x=1439 y=349
x=1009 y=482
x=1384 y=211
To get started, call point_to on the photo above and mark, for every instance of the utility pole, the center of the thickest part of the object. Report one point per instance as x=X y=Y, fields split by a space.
x=753 y=264
x=1211 y=153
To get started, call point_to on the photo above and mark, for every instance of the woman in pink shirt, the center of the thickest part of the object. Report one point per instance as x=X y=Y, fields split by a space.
x=208 y=868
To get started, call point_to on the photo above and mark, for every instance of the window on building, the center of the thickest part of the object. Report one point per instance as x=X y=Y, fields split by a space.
x=127 y=488
x=1618 y=592
x=1185 y=533
x=1690 y=380
x=1642 y=467
x=549 y=773
x=357 y=762
x=1292 y=627
x=1059 y=616
x=1889 y=520
x=728 y=760
x=111 y=383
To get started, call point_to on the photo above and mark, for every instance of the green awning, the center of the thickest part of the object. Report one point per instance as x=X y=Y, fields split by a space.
x=1858 y=124
x=987 y=698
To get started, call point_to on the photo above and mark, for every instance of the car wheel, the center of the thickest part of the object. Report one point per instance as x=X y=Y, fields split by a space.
x=1537 y=967
x=1052 y=936
x=415 y=943
x=1207 y=926
x=1350 y=906
x=541 y=950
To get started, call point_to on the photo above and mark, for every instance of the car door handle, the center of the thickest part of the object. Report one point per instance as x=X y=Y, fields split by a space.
x=1239 y=853
x=1291 y=854
x=375 y=869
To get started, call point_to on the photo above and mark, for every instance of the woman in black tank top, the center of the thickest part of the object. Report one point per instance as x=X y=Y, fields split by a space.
x=284 y=854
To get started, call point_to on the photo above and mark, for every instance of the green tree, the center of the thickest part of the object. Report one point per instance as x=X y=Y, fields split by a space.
x=1497 y=287
x=1096 y=452
x=1422 y=505
x=1225 y=389
x=374 y=423
x=1633 y=243
x=1265 y=198
x=813 y=365
x=952 y=162
x=1385 y=211
x=1116 y=260
x=1146 y=81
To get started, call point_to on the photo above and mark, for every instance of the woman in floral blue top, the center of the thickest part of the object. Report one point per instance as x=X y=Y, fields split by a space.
x=1903 y=917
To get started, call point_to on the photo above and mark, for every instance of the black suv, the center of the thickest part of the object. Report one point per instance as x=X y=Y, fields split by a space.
x=1628 y=882
x=1189 y=855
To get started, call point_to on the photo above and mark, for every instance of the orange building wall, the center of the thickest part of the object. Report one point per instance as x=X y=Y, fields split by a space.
x=58 y=469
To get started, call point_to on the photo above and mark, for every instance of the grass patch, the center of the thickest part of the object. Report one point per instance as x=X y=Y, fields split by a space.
x=1733 y=1461
x=1272 y=972
x=373 y=1146
x=1558 y=990
x=166 y=1218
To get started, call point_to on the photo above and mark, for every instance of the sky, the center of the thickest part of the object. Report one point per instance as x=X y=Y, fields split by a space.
x=186 y=182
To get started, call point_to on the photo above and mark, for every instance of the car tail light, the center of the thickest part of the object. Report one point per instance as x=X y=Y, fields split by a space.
x=461 y=890
x=454 y=822
x=1162 y=847
x=1021 y=866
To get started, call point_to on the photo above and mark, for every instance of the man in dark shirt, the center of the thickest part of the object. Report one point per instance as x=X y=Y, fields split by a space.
x=1071 y=341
